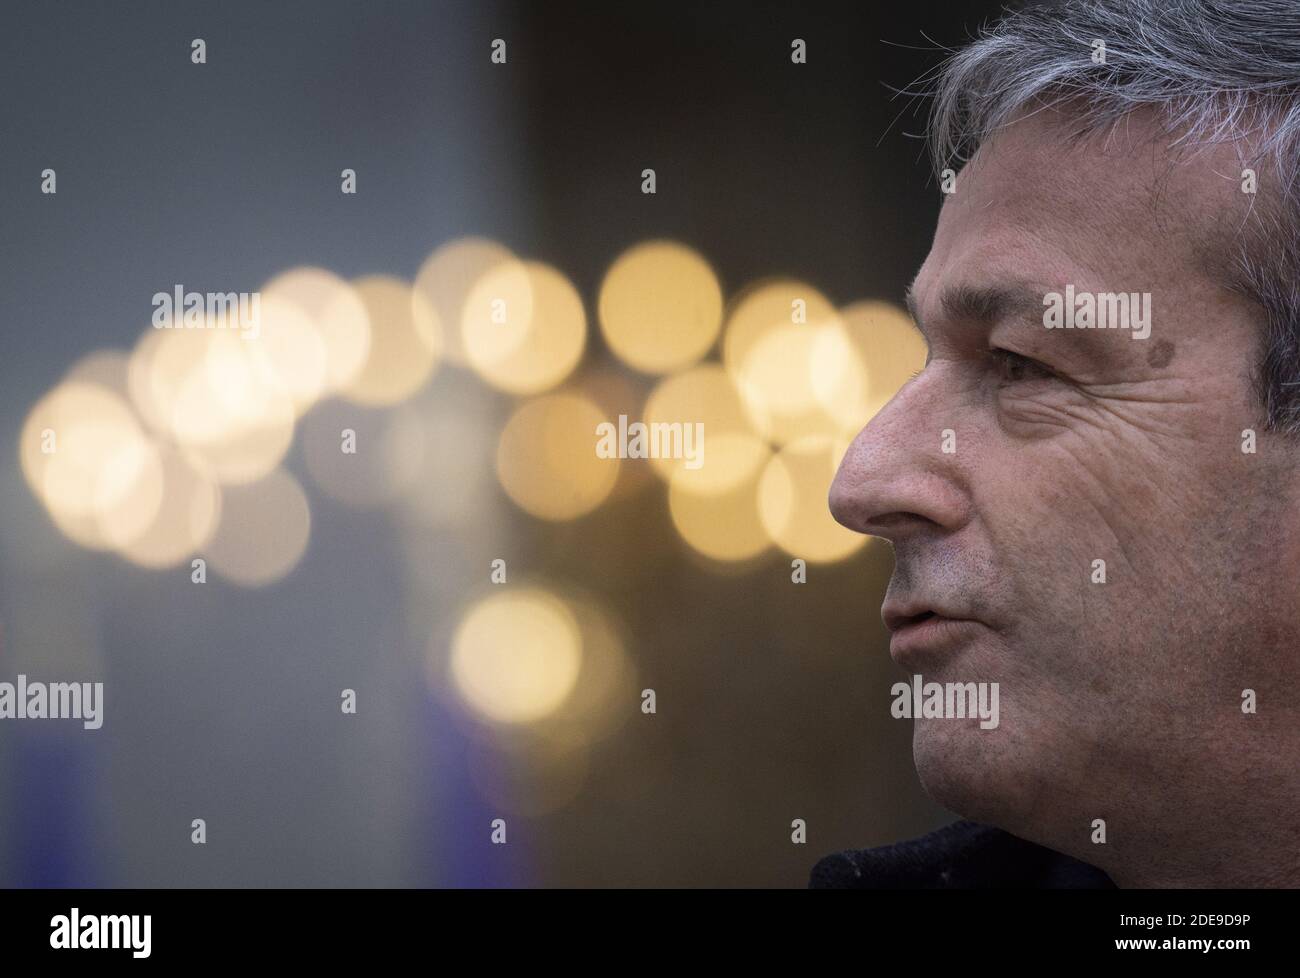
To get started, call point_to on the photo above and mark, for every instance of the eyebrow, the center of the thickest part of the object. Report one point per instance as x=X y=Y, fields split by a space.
x=986 y=304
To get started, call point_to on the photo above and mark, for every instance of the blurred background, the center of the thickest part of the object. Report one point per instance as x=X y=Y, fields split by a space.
x=497 y=595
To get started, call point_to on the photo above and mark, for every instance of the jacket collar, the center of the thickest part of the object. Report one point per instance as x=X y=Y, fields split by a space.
x=963 y=855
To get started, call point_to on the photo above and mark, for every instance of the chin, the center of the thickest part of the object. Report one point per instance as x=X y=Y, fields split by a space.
x=970 y=771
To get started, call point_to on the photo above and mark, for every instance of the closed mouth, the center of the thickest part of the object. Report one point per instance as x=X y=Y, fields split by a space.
x=913 y=620
x=927 y=631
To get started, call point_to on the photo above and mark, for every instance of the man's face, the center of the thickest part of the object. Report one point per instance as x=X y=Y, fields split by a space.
x=1073 y=447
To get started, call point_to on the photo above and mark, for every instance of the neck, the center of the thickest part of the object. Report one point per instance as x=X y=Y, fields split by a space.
x=1227 y=820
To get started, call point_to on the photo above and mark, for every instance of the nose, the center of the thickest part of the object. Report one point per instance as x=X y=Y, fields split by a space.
x=896 y=479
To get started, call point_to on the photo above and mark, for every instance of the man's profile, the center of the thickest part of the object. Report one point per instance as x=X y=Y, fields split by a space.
x=1092 y=489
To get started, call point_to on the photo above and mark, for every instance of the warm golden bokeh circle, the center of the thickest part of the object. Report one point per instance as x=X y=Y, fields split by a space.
x=547 y=461
x=724 y=526
x=516 y=655
x=769 y=346
x=524 y=327
x=289 y=355
x=858 y=370
x=732 y=452
x=337 y=314
x=212 y=393
x=447 y=278
x=792 y=501
x=660 y=307
x=86 y=458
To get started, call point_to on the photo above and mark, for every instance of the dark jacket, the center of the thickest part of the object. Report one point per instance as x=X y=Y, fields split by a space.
x=964 y=855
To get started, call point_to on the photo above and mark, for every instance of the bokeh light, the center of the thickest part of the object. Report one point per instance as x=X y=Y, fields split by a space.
x=86 y=458
x=185 y=520
x=405 y=342
x=732 y=451
x=160 y=363
x=332 y=305
x=228 y=417
x=768 y=350
x=263 y=531
x=289 y=354
x=859 y=369
x=616 y=391
x=524 y=327
x=516 y=655
x=660 y=307
x=448 y=276
x=547 y=461
x=724 y=526
x=792 y=500
x=203 y=389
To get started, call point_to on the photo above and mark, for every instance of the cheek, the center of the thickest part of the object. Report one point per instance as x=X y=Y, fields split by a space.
x=1077 y=536
x=1115 y=560
x=1087 y=493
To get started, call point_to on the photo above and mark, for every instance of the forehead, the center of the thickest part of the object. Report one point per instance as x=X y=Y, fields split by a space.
x=1116 y=208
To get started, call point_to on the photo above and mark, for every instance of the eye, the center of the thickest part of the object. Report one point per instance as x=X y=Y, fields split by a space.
x=1012 y=368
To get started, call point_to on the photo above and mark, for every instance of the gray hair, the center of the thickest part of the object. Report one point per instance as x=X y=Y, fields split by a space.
x=1213 y=71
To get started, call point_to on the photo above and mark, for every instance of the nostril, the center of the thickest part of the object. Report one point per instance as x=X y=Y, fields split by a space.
x=897 y=525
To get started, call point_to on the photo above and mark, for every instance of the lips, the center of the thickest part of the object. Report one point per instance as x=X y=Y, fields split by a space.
x=898 y=615
x=917 y=628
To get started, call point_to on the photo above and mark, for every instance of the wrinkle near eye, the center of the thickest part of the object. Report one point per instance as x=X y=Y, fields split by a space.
x=1034 y=415
x=1039 y=405
x=1037 y=409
